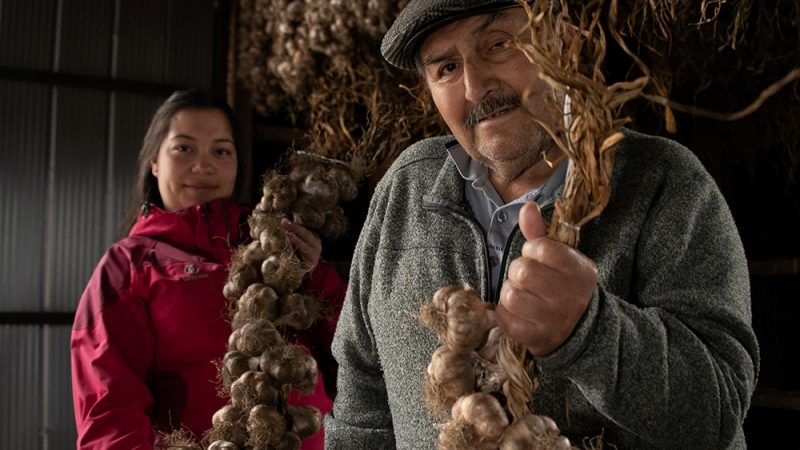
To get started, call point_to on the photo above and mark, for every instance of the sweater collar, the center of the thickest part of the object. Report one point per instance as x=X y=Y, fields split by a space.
x=448 y=188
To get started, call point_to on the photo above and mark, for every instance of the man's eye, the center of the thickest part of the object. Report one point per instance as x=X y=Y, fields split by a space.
x=447 y=68
x=500 y=44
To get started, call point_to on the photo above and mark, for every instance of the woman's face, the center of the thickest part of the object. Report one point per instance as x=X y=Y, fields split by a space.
x=196 y=162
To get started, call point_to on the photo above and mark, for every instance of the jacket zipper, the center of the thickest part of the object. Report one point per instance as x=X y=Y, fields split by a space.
x=487 y=288
x=504 y=261
x=477 y=227
x=544 y=207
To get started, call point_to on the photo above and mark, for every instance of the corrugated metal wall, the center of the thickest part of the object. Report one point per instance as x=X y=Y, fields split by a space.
x=23 y=186
x=67 y=160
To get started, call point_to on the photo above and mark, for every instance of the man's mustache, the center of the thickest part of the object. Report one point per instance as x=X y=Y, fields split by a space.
x=488 y=106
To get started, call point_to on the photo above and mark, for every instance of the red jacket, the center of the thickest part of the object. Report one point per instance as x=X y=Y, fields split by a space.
x=150 y=326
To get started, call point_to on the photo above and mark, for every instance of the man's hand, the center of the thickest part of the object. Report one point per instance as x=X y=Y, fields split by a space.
x=548 y=288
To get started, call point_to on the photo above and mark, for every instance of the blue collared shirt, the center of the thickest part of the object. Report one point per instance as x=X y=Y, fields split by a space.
x=498 y=219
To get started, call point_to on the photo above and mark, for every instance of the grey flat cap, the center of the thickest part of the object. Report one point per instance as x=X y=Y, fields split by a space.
x=420 y=17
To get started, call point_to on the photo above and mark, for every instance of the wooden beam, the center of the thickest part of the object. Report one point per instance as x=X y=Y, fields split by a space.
x=776 y=399
x=775 y=267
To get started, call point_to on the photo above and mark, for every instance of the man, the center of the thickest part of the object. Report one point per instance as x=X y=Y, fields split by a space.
x=642 y=334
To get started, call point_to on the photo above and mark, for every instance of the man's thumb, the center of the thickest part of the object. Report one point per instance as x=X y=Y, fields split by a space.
x=531 y=222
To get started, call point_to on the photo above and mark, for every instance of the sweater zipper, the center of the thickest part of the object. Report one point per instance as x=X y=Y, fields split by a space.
x=474 y=223
x=503 y=262
x=476 y=226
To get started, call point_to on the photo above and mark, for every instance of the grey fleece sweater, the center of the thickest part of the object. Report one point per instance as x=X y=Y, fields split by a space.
x=664 y=357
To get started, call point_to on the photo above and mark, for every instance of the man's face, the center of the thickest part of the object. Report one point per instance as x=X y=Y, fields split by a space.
x=477 y=78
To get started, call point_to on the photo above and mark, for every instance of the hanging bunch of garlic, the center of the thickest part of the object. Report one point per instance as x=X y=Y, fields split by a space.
x=466 y=380
x=284 y=45
x=295 y=57
x=261 y=366
x=253 y=35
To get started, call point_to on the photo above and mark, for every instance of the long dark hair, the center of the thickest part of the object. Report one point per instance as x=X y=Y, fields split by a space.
x=146 y=188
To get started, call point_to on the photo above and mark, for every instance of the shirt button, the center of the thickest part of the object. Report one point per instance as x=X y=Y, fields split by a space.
x=502 y=216
x=190 y=269
x=493 y=260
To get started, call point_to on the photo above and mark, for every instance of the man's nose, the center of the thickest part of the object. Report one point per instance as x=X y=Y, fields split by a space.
x=479 y=79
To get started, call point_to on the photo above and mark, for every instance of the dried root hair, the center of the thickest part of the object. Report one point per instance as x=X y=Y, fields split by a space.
x=227 y=425
x=258 y=302
x=299 y=311
x=456 y=435
x=279 y=193
x=266 y=427
x=254 y=338
x=255 y=388
x=283 y=272
x=233 y=365
x=240 y=276
x=532 y=432
x=449 y=376
x=433 y=314
x=179 y=439
x=290 y=367
x=260 y=220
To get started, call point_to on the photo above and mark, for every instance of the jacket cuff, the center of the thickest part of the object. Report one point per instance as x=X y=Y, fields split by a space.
x=574 y=346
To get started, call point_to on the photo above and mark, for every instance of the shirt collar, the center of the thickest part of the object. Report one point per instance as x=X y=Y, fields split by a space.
x=478 y=174
x=469 y=169
x=475 y=173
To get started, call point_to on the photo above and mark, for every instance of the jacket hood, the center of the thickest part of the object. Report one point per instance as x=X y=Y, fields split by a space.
x=212 y=228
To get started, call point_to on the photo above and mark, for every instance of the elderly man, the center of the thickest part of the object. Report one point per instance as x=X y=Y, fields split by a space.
x=643 y=334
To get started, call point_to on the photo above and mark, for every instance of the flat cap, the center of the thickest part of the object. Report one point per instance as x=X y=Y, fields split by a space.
x=420 y=17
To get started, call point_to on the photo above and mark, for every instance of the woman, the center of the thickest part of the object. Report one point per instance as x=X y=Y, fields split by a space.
x=151 y=323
